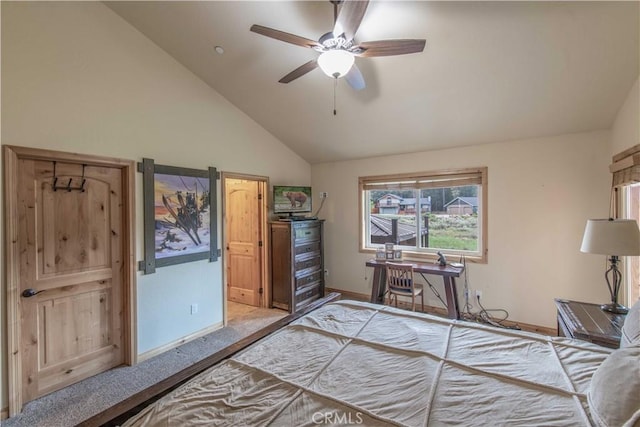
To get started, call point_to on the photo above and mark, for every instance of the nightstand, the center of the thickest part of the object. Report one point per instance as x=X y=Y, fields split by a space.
x=588 y=322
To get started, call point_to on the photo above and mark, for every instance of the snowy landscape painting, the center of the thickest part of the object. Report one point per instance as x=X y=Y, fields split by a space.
x=182 y=219
x=180 y=215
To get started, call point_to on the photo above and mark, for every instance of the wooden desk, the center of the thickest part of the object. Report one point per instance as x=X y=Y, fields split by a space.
x=448 y=274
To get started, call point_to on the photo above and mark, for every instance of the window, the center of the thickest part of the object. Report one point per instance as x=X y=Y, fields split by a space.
x=423 y=213
x=626 y=176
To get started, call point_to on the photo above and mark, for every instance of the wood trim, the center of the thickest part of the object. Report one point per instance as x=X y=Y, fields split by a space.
x=443 y=312
x=349 y=295
x=12 y=154
x=68 y=157
x=266 y=244
x=130 y=293
x=4 y=413
x=151 y=393
x=176 y=343
x=12 y=269
x=485 y=217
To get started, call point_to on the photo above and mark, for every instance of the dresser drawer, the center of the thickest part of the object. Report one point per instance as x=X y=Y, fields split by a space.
x=306 y=233
x=311 y=262
x=307 y=294
x=307 y=248
x=308 y=279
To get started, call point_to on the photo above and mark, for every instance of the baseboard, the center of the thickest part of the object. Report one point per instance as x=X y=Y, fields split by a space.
x=349 y=295
x=401 y=304
x=439 y=311
x=4 y=413
x=159 y=350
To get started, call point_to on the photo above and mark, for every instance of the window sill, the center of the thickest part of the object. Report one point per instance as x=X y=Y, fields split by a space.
x=422 y=256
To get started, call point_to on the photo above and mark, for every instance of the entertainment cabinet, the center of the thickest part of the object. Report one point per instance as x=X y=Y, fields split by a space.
x=297 y=263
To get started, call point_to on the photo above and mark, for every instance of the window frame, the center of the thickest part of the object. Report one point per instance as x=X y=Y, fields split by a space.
x=625 y=170
x=447 y=178
x=631 y=209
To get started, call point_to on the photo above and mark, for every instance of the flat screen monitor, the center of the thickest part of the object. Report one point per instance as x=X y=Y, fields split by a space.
x=291 y=199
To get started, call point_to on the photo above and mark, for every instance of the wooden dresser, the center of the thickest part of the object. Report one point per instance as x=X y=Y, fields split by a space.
x=297 y=263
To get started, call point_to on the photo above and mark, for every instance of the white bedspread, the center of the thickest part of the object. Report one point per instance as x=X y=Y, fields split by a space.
x=351 y=363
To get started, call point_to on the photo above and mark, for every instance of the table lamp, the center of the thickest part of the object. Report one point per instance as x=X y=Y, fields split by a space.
x=613 y=237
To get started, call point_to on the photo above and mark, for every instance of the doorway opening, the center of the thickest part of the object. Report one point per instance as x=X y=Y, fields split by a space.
x=246 y=258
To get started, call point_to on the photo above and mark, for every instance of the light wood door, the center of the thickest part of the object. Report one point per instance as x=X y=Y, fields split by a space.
x=71 y=272
x=243 y=231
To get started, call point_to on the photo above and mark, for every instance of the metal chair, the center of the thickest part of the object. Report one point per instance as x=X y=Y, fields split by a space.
x=400 y=283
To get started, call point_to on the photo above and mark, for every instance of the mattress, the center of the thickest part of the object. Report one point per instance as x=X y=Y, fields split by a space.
x=365 y=364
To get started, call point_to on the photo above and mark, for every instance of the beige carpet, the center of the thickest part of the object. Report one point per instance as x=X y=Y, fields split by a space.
x=80 y=401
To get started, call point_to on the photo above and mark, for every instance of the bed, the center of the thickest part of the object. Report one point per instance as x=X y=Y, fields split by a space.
x=353 y=363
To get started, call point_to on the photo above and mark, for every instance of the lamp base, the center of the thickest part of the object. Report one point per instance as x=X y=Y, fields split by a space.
x=615 y=308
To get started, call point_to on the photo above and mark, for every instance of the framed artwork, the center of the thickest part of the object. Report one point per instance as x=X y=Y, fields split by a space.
x=180 y=215
x=380 y=255
x=397 y=254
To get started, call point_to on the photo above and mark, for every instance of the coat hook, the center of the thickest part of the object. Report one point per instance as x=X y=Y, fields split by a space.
x=68 y=187
x=55 y=178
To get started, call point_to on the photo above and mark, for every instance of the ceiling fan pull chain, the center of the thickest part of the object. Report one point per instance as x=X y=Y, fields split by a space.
x=335 y=84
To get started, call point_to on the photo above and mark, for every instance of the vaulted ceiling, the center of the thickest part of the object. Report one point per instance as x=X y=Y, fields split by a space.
x=490 y=71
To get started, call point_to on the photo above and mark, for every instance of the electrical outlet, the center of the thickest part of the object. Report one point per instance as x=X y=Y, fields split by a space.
x=478 y=294
x=326 y=272
x=194 y=308
x=324 y=194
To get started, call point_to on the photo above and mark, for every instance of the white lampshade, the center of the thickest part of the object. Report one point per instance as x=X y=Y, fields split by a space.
x=619 y=237
x=336 y=63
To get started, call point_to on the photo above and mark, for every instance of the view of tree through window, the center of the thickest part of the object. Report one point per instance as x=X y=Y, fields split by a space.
x=424 y=214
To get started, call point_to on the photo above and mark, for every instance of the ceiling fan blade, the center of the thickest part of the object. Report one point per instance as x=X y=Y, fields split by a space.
x=300 y=71
x=354 y=78
x=349 y=18
x=285 y=37
x=391 y=47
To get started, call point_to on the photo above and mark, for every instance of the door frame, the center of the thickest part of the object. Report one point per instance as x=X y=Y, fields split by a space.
x=263 y=186
x=11 y=156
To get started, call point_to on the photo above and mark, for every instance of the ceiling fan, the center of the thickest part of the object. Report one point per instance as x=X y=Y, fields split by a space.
x=338 y=49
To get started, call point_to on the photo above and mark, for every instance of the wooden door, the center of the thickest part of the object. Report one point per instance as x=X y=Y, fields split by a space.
x=71 y=271
x=243 y=235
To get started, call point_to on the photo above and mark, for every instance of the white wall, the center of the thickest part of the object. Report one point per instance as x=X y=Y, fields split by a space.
x=76 y=77
x=625 y=132
x=541 y=192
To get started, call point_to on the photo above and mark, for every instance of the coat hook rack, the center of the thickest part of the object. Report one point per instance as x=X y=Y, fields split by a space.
x=68 y=187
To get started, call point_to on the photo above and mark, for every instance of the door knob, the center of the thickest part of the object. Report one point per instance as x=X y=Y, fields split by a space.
x=28 y=293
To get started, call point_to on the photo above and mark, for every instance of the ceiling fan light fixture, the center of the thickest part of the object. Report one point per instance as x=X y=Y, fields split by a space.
x=336 y=63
